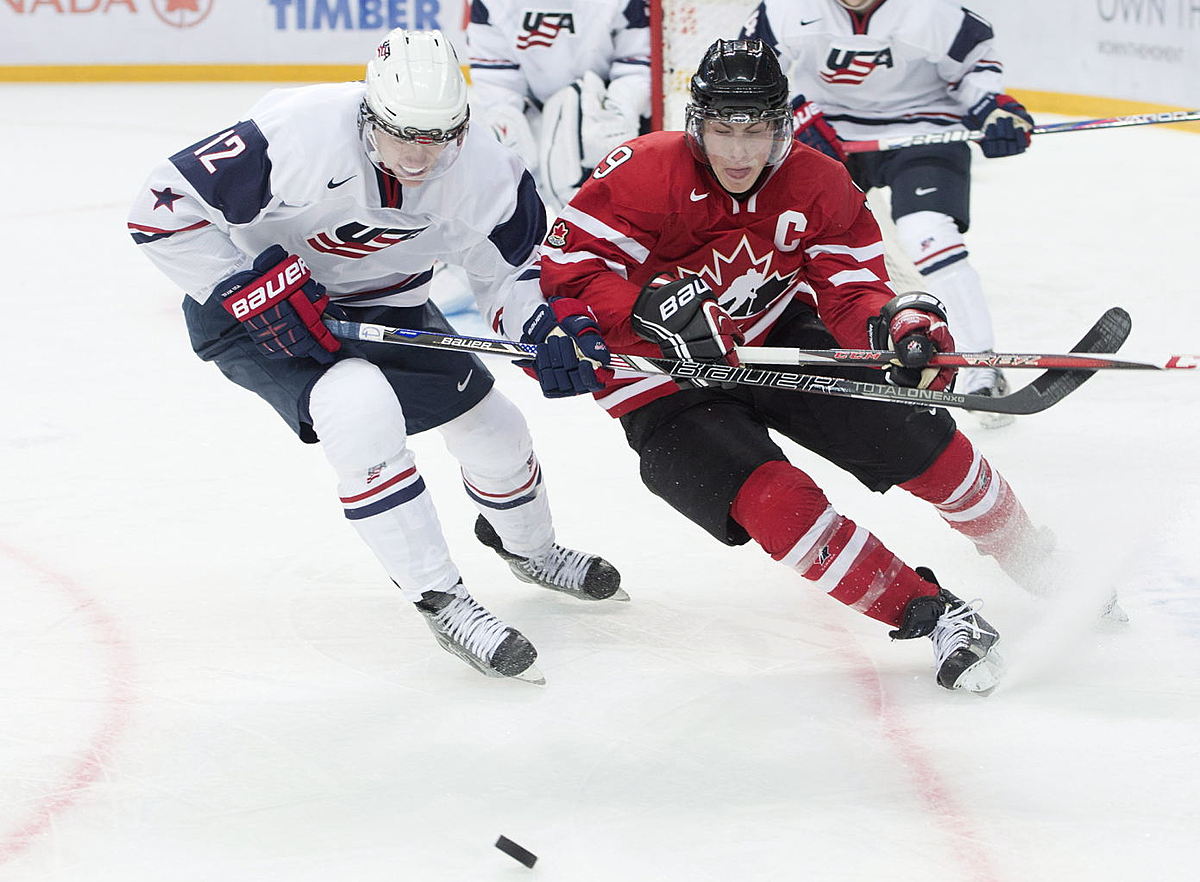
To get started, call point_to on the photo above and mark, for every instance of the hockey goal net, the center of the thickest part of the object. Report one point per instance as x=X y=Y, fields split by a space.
x=680 y=32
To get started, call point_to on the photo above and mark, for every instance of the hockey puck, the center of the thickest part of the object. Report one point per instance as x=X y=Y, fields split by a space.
x=514 y=851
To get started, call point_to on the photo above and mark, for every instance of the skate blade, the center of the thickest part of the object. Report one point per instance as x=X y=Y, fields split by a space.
x=531 y=674
x=983 y=676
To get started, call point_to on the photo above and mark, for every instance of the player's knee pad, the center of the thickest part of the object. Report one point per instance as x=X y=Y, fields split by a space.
x=356 y=415
x=931 y=240
x=777 y=505
x=492 y=438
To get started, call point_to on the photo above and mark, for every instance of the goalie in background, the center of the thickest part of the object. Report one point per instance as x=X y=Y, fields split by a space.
x=563 y=87
x=870 y=69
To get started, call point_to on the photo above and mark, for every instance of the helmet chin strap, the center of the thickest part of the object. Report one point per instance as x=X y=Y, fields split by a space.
x=858 y=5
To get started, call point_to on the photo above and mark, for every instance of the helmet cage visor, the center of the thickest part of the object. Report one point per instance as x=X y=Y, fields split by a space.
x=409 y=154
x=763 y=135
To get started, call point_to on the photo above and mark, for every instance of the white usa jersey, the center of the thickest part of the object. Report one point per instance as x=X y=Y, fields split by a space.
x=518 y=50
x=903 y=67
x=294 y=173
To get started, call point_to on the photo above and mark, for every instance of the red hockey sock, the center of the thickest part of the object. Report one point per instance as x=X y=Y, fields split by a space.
x=788 y=515
x=973 y=498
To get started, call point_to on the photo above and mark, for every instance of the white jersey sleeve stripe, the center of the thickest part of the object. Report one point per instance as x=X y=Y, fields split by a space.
x=601 y=230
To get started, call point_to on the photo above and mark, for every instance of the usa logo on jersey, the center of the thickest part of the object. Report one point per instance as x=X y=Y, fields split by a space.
x=543 y=28
x=357 y=240
x=849 y=67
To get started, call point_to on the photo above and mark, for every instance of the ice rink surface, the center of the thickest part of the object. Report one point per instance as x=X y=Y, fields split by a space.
x=204 y=676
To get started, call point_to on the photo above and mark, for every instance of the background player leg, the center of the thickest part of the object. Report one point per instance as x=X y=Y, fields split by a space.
x=363 y=434
x=502 y=476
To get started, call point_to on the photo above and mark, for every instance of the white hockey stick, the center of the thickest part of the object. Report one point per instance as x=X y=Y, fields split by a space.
x=1112 y=122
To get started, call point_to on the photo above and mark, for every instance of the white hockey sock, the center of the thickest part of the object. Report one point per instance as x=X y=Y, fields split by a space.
x=501 y=474
x=937 y=248
x=363 y=435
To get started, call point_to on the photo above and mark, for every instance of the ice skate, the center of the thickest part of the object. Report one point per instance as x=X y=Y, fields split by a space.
x=581 y=575
x=964 y=644
x=466 y=629
x=985 y=381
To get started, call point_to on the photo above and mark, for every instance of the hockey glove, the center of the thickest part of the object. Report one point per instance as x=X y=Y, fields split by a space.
x=683 y=318
x=914 y=325
x=572 y=357
x=813 y=129
x=1005 y=124
x=280 y=306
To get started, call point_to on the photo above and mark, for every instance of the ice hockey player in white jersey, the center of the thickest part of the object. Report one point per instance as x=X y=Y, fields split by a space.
x=335 y=200
x=867 y=69
x=561 y=83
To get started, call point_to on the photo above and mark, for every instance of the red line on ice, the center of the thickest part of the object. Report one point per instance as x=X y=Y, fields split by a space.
x=118 y=704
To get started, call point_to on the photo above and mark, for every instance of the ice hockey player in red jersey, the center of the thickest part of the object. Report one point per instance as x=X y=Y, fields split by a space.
x=690 y=243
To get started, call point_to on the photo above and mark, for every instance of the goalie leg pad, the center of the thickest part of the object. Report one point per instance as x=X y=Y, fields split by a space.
x=560 y=146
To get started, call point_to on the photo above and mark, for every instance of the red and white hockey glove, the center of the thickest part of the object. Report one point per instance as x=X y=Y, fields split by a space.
x=1005 y=124
x=682 y=316
x=914 y=325
x=280 y=306
x=813 y=129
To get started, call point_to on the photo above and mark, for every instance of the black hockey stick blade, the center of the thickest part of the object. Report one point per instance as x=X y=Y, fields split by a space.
x=1106 y=336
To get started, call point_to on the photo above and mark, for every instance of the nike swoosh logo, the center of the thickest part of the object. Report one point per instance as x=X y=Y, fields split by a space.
x=812 y=21
x=331 y=185
x=696 y=197
x=925 y=191
x=463 y=385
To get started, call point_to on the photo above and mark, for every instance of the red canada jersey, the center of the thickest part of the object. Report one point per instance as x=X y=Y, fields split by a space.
x=650 y=208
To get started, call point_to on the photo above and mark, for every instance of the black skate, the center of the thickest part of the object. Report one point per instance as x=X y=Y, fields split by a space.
x=466 y=629
x=582 y=575
x=963 y=642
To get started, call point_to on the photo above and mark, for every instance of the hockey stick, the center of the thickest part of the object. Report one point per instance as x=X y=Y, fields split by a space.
x=1111 y=122
x=1106 y=335
x=884 y=357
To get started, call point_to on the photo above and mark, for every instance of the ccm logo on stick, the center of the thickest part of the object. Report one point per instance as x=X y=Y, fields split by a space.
x=286 y=277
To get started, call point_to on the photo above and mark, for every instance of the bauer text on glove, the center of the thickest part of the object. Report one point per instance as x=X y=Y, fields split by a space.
x=280 y=306
x=572 y=357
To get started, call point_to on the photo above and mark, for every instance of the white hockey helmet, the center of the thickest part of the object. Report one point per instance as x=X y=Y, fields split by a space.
x=415 y=101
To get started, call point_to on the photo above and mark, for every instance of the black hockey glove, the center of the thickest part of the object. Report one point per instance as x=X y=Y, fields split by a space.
x=683 y=318
x=914 y=325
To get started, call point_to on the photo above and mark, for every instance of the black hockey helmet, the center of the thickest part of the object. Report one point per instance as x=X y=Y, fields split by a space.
x=740 y=81
x=740 y=77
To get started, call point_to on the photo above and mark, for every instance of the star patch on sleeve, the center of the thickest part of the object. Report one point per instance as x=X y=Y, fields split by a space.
x=165 y=197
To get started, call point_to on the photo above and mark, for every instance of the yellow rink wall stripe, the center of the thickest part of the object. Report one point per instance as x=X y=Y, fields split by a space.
x=1037 y=101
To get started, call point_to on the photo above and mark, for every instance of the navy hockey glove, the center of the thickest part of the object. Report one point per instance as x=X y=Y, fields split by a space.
x=914 y=325
x=572 y=357
x=814 y=130
x=1005 y=124
x=683 y=318
x=280 y=306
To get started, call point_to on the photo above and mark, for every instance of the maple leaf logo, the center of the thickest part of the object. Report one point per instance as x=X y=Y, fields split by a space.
x=182 y=13
x=744 y=282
